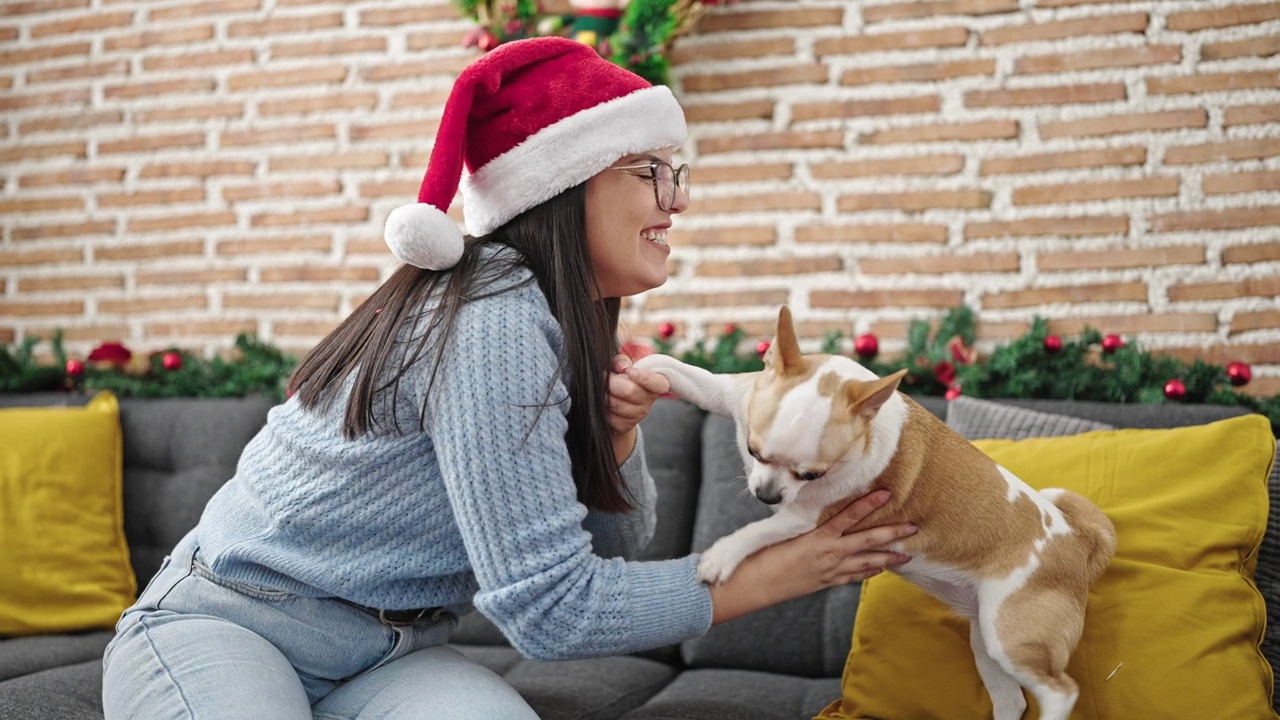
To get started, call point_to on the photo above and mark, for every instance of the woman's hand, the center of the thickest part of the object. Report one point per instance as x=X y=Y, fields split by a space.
x=632 y=392
x=821 y=558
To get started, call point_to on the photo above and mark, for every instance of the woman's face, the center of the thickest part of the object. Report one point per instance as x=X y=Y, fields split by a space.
x=626 y=230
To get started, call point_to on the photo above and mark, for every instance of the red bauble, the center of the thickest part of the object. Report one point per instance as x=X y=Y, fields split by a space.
x=666 y=330
x=1112 y=343
x=487 y=41
x=171 y=361
x=953 y=393
x=1175 y=389
x=762 y=347
x=867 y=346
x=1053 y=343
x=75 y=368
x=1239 y=373
x=730 y=329
x=944 y=372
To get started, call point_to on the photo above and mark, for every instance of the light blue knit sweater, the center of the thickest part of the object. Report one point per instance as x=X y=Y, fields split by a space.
x=469 y=511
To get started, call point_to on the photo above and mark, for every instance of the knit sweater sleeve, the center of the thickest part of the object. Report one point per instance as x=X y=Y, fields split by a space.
x=499 y=440
x=624 y=535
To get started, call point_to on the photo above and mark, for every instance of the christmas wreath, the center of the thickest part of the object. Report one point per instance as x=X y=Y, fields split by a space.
x=635 y=34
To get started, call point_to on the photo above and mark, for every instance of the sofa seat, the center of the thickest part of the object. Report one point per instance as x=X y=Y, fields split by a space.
x=716 y=694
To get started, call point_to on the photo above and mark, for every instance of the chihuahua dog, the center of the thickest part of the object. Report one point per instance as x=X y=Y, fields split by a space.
x=818 y=431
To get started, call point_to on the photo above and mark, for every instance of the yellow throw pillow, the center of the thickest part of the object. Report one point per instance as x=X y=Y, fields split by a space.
x=1172 y=629
x=64 y=562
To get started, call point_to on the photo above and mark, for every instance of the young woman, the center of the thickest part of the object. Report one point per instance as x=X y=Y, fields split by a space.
x=466 y=438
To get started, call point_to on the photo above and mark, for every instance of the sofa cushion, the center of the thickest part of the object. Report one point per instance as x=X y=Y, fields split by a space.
x=595 y=689
x=1174 y=624
x=974 y=419
x=70 y=692
x=807 y=636
x=65 y=556
x=738 y=695
x=25 y=655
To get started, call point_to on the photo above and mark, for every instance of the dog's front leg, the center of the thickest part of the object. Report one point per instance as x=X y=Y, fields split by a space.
x=713 y=392
x=723 y=557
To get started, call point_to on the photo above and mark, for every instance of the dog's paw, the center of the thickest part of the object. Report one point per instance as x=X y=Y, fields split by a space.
x=718 y=563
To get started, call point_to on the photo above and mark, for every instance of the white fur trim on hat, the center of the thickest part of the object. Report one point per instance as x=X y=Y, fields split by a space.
x=422 y=236
x=570 y=152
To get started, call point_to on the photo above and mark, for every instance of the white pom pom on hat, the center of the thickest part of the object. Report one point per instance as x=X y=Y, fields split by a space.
x=529 y=120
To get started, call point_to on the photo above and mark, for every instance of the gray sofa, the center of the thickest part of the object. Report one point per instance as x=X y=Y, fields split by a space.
x=783 y=663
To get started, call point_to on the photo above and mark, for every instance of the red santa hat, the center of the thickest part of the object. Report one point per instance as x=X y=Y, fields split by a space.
x=530 y=120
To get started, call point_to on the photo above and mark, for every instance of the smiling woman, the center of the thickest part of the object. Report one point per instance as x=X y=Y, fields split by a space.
x=467 y=438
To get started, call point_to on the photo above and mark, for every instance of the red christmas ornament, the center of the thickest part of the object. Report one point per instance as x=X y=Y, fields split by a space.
x=945 y=372
x=762 y=347
x=866 y=346
x=953 y=392
x=960 y=352
x=75 y=368
x=1239 y=373
x=171 y=361
x=487 y=41
x=1175 y=389
x=666 y=330
x=1112 y=343
x=730 y=329
x=111 y=352
x=1053 y=343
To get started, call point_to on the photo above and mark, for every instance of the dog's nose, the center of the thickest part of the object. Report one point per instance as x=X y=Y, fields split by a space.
x=769 y=498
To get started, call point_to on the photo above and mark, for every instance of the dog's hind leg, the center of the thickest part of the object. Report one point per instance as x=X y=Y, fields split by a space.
x=1006 y=694
x=1032 y=635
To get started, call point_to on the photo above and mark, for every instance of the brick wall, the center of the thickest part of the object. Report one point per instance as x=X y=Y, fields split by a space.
x=176 y=172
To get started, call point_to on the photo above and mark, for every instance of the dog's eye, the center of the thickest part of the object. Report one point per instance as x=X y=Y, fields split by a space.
x=811 y=475
x=752 y=452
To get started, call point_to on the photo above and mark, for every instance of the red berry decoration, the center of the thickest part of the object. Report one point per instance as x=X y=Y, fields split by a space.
x=75 y=368
x=1239 y=373
x=1112 y=343
x=944 y=372
x=1053 y=343
x=953 y=392
x=666 y=330
x=1175 y=389
x=171 y=361
x=762 y=347
x=867 y=346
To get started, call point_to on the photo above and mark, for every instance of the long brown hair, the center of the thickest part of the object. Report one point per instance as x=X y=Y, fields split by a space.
x=550 y=240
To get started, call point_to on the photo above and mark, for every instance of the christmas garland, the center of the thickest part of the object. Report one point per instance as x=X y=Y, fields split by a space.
x=256 y=368
x=939 y=361
x=636 y=35
x=1038 y=365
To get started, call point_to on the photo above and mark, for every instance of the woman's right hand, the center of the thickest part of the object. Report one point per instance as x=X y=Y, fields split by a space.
x=821 y=558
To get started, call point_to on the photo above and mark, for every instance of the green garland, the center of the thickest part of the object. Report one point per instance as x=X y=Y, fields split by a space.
x=257 y=368
x=942 y=360
x=640 y=41
x=936 y=361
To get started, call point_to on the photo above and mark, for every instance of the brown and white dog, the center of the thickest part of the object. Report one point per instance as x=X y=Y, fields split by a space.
x=817 y=431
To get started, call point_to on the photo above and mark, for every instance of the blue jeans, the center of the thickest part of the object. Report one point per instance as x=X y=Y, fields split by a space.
x=198 y=646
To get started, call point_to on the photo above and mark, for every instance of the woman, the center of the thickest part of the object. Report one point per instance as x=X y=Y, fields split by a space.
x=461 y=440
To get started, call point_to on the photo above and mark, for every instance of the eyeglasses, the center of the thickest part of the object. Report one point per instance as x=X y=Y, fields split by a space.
x=666 y=179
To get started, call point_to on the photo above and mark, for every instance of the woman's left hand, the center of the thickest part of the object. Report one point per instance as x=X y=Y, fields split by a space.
x=632 y=392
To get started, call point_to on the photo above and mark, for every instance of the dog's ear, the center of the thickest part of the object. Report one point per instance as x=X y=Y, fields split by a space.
x=784 y=354
x=866 y=398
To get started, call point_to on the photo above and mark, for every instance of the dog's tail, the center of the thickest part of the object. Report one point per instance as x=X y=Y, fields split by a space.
x=1093 y=525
